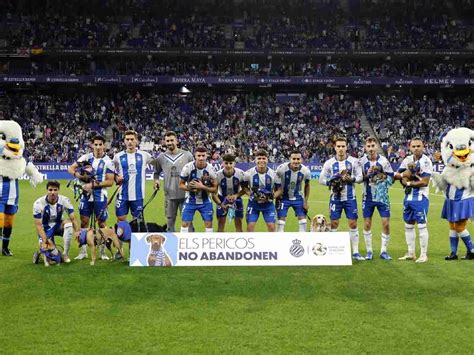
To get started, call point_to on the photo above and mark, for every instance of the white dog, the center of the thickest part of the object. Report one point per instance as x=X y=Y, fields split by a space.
x=319 y=223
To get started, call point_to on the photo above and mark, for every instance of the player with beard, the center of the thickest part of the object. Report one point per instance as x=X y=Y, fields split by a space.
x=171 y=162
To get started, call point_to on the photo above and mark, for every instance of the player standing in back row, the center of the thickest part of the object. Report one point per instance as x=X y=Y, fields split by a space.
x=291 y=177
x=341 y=173
x=171 y=163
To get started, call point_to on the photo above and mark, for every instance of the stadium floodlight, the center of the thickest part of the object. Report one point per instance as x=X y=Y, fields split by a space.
x=184 y=90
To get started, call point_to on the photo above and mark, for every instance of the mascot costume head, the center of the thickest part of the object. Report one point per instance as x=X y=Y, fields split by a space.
x=13 y=166
x=457 y=182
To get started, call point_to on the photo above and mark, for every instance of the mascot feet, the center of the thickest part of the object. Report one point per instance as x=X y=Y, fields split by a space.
x=6 y=252
x=451 y=256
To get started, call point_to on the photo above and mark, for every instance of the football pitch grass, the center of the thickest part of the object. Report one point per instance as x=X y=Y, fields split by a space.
x=370 y=307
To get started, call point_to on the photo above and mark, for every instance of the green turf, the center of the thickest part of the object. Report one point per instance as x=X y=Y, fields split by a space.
x=370 y=307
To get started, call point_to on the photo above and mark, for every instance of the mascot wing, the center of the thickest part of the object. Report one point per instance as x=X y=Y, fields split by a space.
x=36 y=177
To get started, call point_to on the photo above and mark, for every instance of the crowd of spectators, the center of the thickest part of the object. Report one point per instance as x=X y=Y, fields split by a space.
x=57 y=128
x=319 y=24
x=396 y=119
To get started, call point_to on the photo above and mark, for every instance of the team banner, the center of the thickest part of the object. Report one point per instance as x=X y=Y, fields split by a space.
x=232 y=80
x=240 y=249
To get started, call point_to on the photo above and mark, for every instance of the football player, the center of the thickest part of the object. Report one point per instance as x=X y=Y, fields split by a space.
x=340 y=173
x=291 y=178
x=198 y=179
x=414 y=174
x=377 y=170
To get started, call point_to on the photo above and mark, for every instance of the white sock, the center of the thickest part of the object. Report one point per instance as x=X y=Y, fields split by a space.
x=209 y=230
x=83 y=250
x=281 y=226
x=368 y=240
x=67 y=237
x=424 y=236
x=333 y=229
x=354 y=234
x=410 y=238
x=385 y=239
x=302 y=225
x=184 y=230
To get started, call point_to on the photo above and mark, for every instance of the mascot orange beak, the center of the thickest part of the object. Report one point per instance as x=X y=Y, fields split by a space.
x=462 y=155
x=14 y=147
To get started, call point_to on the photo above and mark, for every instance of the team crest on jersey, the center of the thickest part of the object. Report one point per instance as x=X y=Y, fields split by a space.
x=268 y=181
x=60 y=209
x=296 y=249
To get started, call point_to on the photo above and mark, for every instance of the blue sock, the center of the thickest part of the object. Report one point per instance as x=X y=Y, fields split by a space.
x=466 y=238
x=454 y=244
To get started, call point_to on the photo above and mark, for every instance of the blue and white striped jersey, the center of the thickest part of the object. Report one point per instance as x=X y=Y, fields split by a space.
x=9 y=191
x=132 y=166
x=384 y=166
x=51 y=215
x=423 y=167
x=191 y=172
x=102 y=166
x=292 y=181
x=229 y=185
x=261 y=181
x=333 y=166
x=454 y=194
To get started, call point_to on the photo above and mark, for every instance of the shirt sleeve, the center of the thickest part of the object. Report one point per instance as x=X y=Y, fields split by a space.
x=325 y=174
x=184 y=175
x=37 y=210
x=426 y=168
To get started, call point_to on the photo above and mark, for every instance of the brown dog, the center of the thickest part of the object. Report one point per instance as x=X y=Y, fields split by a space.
x=96 y=237
x=319 y=223
x=157 y=255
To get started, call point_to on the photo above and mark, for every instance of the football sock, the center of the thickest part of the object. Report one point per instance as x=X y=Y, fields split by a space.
x=302 y=225
x=7 y=232
x=410 y=238
x=423 y=231
x=354 y=234
x=453 y=241
x=184 y=230
x=281 y=226
x=368 y=240
x=466 y=238
x=209 y=230
x=385 y=240
x=67 y=237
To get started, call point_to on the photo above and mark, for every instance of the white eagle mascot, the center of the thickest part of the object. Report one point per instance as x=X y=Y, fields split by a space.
x=12 y=166
x=457 y=182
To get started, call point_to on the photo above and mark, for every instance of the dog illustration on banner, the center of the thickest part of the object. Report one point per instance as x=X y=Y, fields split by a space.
x=319 y=223
x=12 y=167
x=157 y=255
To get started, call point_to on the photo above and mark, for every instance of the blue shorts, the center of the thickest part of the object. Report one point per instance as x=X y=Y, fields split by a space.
x=267 y=209
x=239 y=211
x=123 y=206
x=368 y=208
x=349 y=207
x=297 y=206
x=8 y=209
x=455 y=211
x=99 y=208
x=53 y=231
x=205 y=209
x=416 y=211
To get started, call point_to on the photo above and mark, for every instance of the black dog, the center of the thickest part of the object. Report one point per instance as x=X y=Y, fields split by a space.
x=139 y=226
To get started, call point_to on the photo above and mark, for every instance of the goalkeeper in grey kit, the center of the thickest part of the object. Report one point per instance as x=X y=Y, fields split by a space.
x=171 y=162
